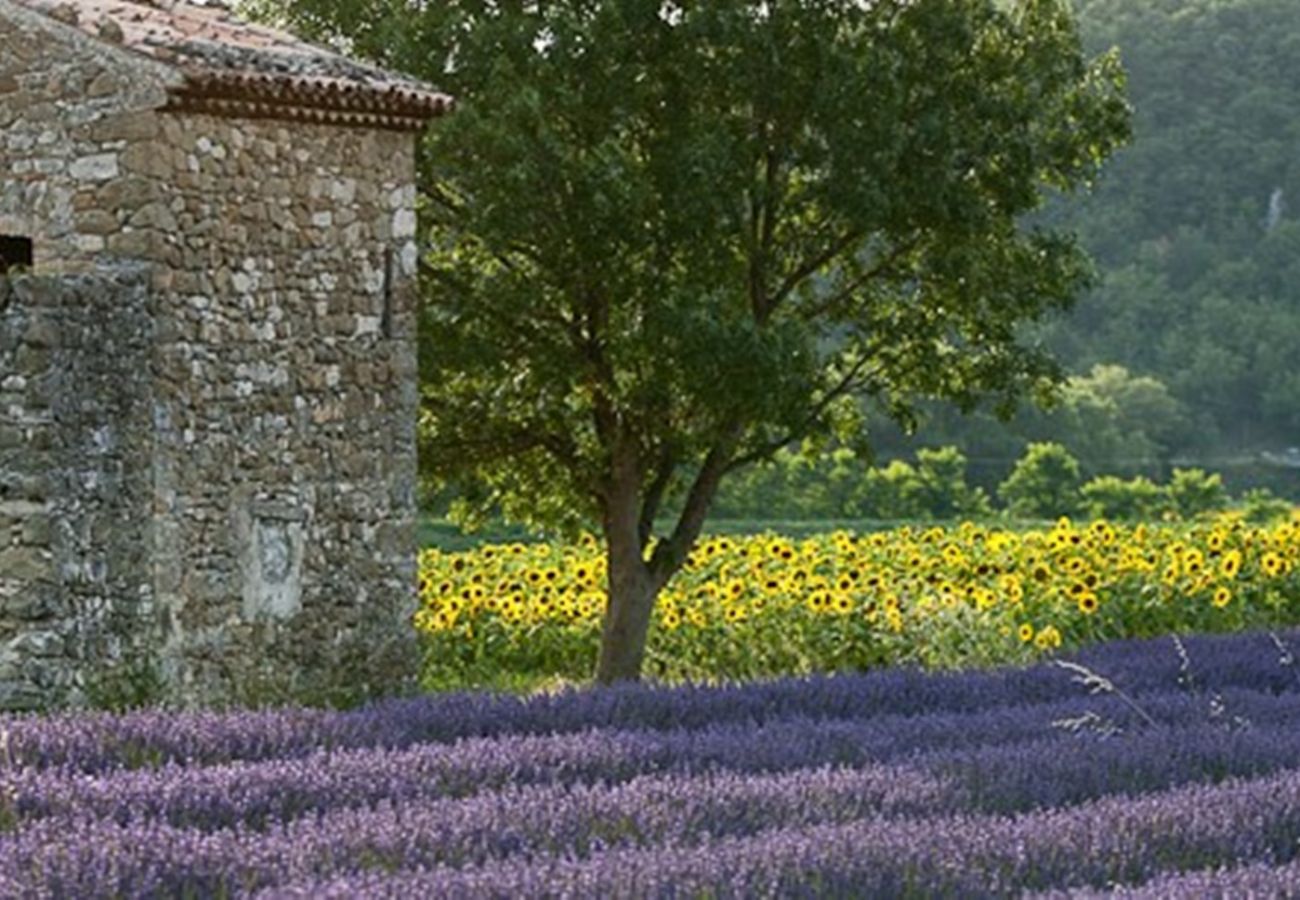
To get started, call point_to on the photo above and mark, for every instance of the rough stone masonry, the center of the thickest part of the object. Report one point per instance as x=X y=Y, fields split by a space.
x=207 y=367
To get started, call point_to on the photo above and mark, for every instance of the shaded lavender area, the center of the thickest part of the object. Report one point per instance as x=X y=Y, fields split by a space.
x=1166 y=773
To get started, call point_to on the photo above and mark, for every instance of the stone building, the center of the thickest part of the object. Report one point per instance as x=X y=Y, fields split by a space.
x=207 y=367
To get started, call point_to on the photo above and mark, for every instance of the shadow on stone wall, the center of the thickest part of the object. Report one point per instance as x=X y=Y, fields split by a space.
x=74 y=426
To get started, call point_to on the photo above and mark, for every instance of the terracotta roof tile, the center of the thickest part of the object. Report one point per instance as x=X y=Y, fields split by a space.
x=227 y=61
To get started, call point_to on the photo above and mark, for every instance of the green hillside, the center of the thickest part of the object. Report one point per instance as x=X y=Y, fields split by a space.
x=1196 y=225
x=1195 y=228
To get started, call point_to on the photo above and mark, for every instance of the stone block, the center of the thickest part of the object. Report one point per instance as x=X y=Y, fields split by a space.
x=37 y=530
x=34 y=601
x=135 y=244
x=130 y=192
x=18 y=695
x=96 y=167
x=140 y=126
x=96 y=222
x=40 y=333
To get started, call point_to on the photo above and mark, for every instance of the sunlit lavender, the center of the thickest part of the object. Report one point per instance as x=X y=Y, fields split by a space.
x=1161 y=768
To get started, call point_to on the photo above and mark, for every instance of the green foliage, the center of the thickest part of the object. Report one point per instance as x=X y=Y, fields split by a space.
x=1261 y=507
x=944 y=494
x=746 y=205
x=663 y=230
x=512 y=659
x=131 y=683
x=1196 y=231
x=893 y=492
x=1044 y=483
x=935 y=488
x=665 y=241
x=1192 y=492
x=1196 y=224
x=1112 y=421
x=841 y=485
x=1111 y=497
x=792 y=485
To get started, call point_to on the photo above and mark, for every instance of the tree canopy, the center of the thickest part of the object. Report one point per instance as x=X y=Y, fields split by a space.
x=665 y=239
x=1195 y=226
x=1196 y=236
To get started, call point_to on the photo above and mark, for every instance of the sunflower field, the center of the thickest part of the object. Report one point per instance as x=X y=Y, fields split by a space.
x=520 y=615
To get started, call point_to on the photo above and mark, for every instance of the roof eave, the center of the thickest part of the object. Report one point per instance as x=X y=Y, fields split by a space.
x=307 y=99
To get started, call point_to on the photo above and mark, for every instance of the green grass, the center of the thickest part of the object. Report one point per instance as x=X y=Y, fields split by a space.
x=448 y=536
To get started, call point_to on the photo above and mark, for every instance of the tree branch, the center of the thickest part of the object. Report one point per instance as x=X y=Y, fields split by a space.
x=655 y=494
x=509 y=445
x=671 y=553
x=875 y=271
x=810 y=267
x=851 y=381
x=440 y=195
x=587 y=338
x=763 y=229
x=757 y=301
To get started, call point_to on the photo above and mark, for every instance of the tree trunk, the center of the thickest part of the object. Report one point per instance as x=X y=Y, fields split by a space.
x=634 y=583
x=632 y=587
x=632 y=595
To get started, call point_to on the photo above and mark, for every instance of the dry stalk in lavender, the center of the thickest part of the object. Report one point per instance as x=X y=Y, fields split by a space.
x=1218 y=711
x=1186 y=679
x=1285 y=658
x=1090 y=721
x=1100 y=684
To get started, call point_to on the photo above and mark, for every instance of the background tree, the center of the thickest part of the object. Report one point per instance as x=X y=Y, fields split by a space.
x=667 y=239
x=1111 y=421
x=1111 y=497
x=1044 y=483
x=1196 y=233
x=1193 y=491
x=942 y=474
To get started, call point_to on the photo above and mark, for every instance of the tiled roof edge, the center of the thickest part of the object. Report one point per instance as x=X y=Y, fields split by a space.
x=307 y=98
x=296 y=80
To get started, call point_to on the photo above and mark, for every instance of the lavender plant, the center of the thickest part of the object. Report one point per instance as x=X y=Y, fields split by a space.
x=894 y=783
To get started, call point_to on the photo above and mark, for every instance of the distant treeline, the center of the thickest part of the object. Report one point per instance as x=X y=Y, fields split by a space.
x=1046 y=482
x=1195 y=229
x=802 y=494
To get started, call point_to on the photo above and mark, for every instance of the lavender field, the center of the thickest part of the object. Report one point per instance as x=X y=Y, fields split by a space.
x=1160 y=768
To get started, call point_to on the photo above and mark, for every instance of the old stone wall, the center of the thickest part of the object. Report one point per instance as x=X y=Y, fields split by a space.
x=69 y=108
x=75 y=598
x=285 y=404
x=279 y=382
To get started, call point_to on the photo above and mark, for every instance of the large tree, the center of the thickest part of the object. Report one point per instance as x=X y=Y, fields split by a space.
x=665 y=239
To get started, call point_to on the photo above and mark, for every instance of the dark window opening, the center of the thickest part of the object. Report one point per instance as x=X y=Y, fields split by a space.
x=386 y=322
x=15 y=252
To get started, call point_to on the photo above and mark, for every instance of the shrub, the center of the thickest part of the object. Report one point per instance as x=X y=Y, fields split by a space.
x=894 y=492
x=941 y=474
x=1044 y=483
x=1261 y=507
x=1110 y=497
x=1193 y=491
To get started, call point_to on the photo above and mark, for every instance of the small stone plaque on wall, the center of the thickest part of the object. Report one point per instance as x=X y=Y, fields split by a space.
x=272 y=541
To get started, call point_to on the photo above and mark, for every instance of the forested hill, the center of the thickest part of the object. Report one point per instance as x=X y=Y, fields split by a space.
x=1196 y=225
x=1188 y=352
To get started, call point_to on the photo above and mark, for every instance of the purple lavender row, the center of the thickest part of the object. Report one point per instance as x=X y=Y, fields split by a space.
x=109 y=859
x=93 y=743
x=1056 y=772
x=1112 y=841
x=987 y=749
x=87 y=858
x=1224 y=883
